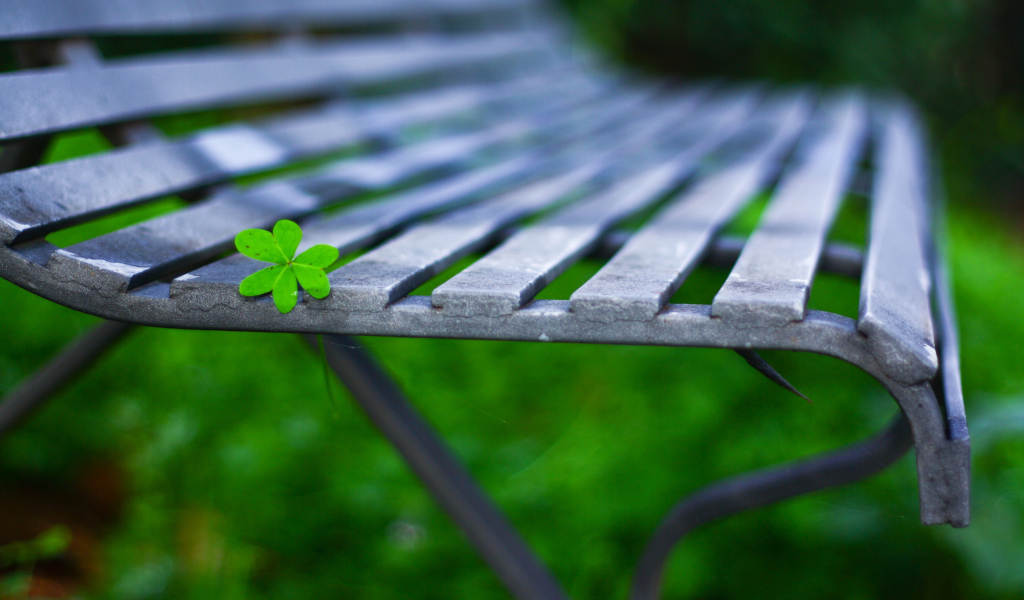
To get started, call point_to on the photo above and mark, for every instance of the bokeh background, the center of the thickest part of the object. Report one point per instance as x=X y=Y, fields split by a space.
x=216 y=465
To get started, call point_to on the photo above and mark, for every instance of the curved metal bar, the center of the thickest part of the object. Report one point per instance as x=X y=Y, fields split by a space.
x=446 y=479
x=74 y=358
x=762 y=488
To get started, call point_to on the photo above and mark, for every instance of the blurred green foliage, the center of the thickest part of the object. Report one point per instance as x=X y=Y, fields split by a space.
x=962 y=60
x=245 y=481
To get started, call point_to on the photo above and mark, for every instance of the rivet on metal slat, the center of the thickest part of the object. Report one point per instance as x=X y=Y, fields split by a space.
x=895 y=310
x=771 y=281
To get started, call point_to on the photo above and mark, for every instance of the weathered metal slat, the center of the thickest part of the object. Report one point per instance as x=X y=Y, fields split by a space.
x=387 y=273
x=36 y=201
x=391 y=271
x=50 y=100
x=512 y=274
x=641 y=278
x=948 y=338
x=950 y=385
x=771 y=281
x=895 y=311
x=604 y=119
x=178 y=242
x=25 y=19
x=560 y=118
x=142 y=253
x=310 y=133
x=356 y=227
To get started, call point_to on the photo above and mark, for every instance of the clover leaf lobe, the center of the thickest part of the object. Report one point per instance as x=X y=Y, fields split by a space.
x=261 y=245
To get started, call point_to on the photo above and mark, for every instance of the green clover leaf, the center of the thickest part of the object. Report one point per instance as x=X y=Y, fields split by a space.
x=283 y=278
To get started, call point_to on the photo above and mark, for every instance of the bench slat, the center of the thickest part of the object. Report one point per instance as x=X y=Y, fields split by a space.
x=641 y=278
x=56 y=99
x=771 y=281
x=391 y=271
x=142 y=253
x=895 y=312
x=37 y=201
x=357 y=227
x=388 y=273
x=145 y=252
x=23 y=19
x=354 y=228
x=512 y=274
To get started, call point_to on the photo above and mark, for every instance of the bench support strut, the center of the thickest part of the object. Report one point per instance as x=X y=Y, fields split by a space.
x=446 y=479
x=761 y=488
x=70 y=362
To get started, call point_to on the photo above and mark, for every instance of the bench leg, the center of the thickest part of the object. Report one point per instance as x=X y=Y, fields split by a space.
x=761 y=488
x=446 y=479
x=74 y=358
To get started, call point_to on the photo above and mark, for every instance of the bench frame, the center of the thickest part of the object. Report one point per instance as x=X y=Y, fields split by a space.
x=931 y=406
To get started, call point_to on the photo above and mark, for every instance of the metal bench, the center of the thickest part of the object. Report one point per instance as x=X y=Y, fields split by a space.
x=475 y=126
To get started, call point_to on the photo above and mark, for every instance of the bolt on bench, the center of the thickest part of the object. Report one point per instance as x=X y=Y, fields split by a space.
x=436 y=129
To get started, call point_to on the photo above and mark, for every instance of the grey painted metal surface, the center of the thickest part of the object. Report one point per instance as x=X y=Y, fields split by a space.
x=512 y=274
x=503 y=143
x=33 y=19
x=641 y=278
x=356 y=228
x=49 y=197
x=895 y=308
x=141 y=253
x=41 y=101
x=771 y=281
x=394 y=269
x=941 y=464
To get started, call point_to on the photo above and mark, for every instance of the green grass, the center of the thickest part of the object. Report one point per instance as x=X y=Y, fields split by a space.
x=244 y=483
